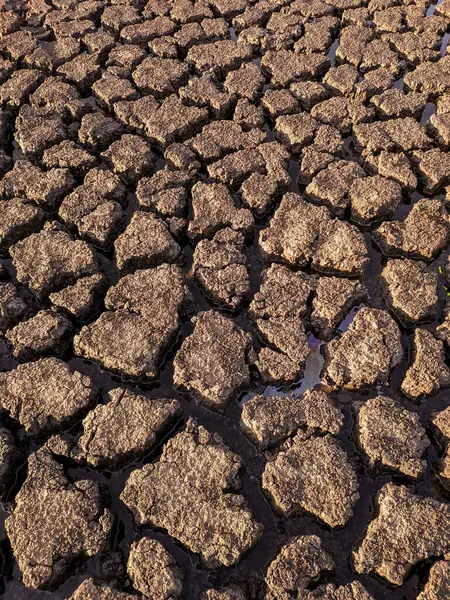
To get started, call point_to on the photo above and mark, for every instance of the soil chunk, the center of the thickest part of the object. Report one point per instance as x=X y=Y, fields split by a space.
x=46 y=188
x=443 y=104
x=433 y=169
x=133 y=335
x=222 y=137
x=438 y=584
x=276 y=368
x=95 y=208
x=279 y=102
x=196 y=476
x=293 y=231
x=351 y=591
x=308 y=93
x=391 y=436
x=440 y=422
x=235 y=168
x=334 y=298
x=424 y=232
x=395 y=540
x=206 y=91
x=428 y=373
x=130 y=157
x=188 y=12
x=414 y=46
x=312 y=162
x=212 y=363
x=170 y=204
x=18 y=219
x=318 y=36
x=99 y=42
x=287 y=335
x=277 y=310
x=332 y=186
x=146 y=242
x=269 y=420
x=165 y=192
x=45 y=395
x=179 y=156
x=366 y=352
x=341 y=79
x=296 y=131
x=142 y=33
x=220 y=268
x=91 y=590
x=50 y=260
x=124 y=429
x=46 y=333
x=119 y=15
x=300 y=231
x=395 y=166
x=97 y=131
x=160 y=76
x=125 y=58
x=410 y=290
x=286 y=67
x=173 y=121
x=373 y=199
x=55 y=522
x=12 y=307
x=246 y=82
x=80 y=299
x=214 y=208
x=340 y=250
x=328 y=139
x=342 y=113
x=154 y=571
x=10 y=457
x=38 y=128
x=252 y=16
x=221 y=56
x=16 y=90
x=439 y=127
x=82 y=70
x=396 y=135
x=229 y=8
x=298 y=564
x=259 y=191
x=282 y=293
x=432 y=77
x=226 y=593
x=55 y=93
x=293 y=483
x=69 y=155
x=394 y=103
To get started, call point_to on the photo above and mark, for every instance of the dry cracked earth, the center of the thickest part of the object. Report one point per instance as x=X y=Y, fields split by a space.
x=224 y=299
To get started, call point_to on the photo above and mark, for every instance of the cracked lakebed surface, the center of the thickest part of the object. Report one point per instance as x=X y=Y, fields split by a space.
x=224 y=305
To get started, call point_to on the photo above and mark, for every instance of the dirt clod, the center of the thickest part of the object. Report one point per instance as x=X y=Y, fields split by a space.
x=217 y=523
x=395 y=540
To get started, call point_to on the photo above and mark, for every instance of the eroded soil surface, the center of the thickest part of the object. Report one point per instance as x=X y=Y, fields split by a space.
x=224 y=305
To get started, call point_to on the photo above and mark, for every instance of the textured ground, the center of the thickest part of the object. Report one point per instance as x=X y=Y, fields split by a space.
x=224 y=305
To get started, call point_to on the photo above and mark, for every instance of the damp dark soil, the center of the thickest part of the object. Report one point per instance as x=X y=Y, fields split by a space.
x=224 y=229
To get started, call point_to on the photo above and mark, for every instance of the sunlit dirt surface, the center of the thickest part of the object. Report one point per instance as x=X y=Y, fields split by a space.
x=224 y=274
